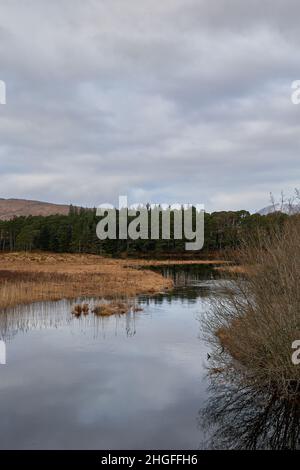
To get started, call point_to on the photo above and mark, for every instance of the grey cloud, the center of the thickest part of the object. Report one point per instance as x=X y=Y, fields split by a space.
x=176 y=100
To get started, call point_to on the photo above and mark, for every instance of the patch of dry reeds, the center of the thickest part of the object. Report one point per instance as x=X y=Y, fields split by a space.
x=31 y=277
x=255 y=322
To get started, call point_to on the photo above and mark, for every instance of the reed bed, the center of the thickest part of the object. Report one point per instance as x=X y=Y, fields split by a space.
x=32 y=277
x=253 y=325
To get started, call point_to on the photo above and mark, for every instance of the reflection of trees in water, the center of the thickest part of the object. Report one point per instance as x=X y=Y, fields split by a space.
x=192 y=282
x=186 y=295
x=185 y=275
x=36 y=316
x=249 y=416
x=49 y=315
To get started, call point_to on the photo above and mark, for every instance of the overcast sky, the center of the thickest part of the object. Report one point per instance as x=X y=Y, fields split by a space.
x=162 y=100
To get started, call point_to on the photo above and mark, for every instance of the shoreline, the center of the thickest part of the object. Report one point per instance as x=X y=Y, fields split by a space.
x=43 y=276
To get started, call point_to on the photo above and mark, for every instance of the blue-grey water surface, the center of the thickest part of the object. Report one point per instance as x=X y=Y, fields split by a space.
x=126 y=382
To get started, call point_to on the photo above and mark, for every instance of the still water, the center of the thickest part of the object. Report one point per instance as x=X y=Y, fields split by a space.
x=136 y=381
x=133 y=381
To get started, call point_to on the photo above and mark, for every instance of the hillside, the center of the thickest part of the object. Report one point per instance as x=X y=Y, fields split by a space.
x=10 y=208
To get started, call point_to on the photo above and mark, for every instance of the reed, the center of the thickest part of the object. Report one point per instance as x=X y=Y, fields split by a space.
x=253 y=324
x=31 y=277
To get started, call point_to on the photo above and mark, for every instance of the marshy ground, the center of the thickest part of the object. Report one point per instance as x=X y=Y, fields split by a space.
x=30 y=277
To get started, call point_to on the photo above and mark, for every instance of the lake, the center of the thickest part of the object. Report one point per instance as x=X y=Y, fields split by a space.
x=133 y=381
x=136 y=381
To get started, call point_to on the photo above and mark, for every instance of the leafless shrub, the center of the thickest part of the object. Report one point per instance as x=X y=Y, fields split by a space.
x=254 y=324
x=243 y=414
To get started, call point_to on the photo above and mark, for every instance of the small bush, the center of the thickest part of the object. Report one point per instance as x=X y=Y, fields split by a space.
x=254 y=324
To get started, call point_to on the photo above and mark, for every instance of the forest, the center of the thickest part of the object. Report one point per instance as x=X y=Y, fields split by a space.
x=76 y=233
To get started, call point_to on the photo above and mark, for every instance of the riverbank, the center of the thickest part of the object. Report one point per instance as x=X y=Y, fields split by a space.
x=257 y=322
x=31 y=277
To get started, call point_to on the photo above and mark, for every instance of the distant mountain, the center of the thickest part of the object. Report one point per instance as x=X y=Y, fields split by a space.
x=10 y=208
x=285 y=208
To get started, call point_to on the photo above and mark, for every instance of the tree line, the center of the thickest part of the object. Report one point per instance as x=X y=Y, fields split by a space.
x=76 y=233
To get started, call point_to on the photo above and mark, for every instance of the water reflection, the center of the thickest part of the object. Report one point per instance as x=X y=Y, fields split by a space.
x=193 y=283
x=247 y=416
x=188 y=274
x=133 y=381
x=48 y=315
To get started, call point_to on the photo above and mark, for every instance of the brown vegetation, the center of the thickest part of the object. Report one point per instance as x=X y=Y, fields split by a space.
x=113 y=308
x=172 y=262
x=259 y=317
x=10 y=208
x=79 y=309
x=31 y=277
x=35 y=276
x=106 y=308
x=236 y=269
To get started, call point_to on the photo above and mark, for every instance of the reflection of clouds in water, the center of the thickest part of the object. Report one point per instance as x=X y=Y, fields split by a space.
x=248 y=416
x=25 y=318
x=193 y=284
x=143 y=388
x=69 y=388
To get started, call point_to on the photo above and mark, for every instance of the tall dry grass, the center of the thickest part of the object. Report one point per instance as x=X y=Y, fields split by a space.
x=253 y=324
x=31 y=277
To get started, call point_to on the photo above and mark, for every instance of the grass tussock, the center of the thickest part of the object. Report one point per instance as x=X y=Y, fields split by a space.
x=32 y=277
x=255 y=323
x=106 y=309
x=79 y=309
x=112 y=308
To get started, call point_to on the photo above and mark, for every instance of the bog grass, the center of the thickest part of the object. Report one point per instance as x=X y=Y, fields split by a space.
x=31 y=277
x=257 y=318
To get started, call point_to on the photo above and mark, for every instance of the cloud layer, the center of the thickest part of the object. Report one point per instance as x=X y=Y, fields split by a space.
x=173 y=101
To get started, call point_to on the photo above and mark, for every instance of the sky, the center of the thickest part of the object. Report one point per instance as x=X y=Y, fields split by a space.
x=166 y=101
